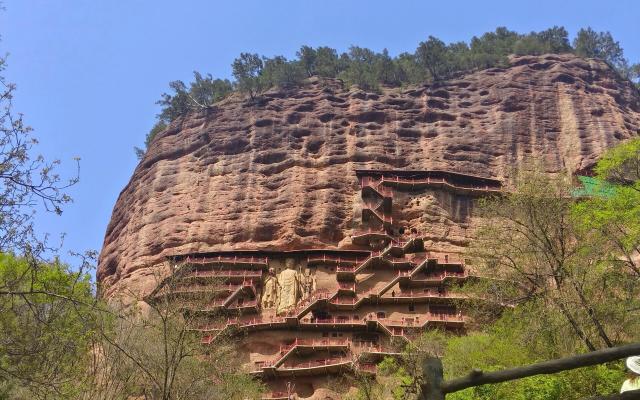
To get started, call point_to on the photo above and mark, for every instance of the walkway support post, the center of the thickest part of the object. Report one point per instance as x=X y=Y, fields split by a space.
x=432 y=373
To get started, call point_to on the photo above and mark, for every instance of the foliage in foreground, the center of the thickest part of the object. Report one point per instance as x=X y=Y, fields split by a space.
x=58 y=342
x=46 y=327
x=432 y=60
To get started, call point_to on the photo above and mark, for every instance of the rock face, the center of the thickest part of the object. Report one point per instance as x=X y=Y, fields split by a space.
x=335 y=218
x=279 y=175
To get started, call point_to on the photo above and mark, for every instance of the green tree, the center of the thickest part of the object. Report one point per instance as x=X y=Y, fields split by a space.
x=613 y=218
x=46 y=324
x=589 y=43
x=246 y=70
x=278 y=71
x=386 y=70
x=492 y=48
x=459 y=57
x=361 y=68
x=529 y=45
x=409 y=70
x=535 y=257
x=202 y=93
x=434 y=57
x=556 y=39
x=308 y=58
x=328 y=64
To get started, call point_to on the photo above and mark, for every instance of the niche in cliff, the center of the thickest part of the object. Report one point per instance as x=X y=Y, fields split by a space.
x=434 y=116
x=512 y=104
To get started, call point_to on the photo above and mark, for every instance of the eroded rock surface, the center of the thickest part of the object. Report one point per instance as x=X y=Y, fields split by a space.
x=279 y=175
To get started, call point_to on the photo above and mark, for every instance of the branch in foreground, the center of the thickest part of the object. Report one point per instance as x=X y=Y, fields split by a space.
x=477 y=378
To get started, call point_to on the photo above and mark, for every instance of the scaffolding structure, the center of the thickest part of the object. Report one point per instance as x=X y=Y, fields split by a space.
x=414 y=277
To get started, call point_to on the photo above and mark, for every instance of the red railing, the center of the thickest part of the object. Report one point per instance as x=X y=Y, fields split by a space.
x=217 y=302
x=227 y=260
x=397 y=331
x=447 y=259
x=350 y=301
x=334 y=259
x=333 y=320
x=435 y=181
x=379 y=215
x=242 y=323
x=207 y=339
x=371 y=348
x=246 y=304
x=427 y=293
x=377 y=186
x=314 y=343
x=370 y=232
x=261 y=321
x=217 y=288
x=442 y=275
x=317 y=363
x=347 y=286
x=372 y=368
x=398 y=260
x=421 y=319
x=445 y=317
x=353 y=268
x=224 y=273
x=320 y=294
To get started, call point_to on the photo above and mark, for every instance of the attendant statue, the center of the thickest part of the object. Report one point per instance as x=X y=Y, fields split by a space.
x=270 y=291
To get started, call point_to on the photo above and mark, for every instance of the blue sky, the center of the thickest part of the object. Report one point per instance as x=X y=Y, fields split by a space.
x=89 y=71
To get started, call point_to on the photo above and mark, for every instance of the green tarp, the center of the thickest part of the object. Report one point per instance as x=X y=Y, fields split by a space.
x=591 y=187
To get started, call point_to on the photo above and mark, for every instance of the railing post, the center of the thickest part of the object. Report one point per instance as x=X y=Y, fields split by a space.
x=432 y=375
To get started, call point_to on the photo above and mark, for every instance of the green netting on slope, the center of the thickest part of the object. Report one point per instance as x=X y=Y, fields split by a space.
x=592 y=187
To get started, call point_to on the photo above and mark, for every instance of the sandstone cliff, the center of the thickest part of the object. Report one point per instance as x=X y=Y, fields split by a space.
x=279 y=175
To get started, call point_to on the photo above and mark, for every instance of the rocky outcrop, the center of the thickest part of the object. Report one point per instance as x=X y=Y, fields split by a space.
x=278 y=174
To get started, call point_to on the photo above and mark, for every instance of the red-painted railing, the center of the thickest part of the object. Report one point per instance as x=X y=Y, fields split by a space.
x=333 y=259
x=349 y=301
x=372 y=368
x=245 y=304
x=242 y=323
x=379 y=215
x=427 y=293
x=347 y=286
x=377 y=186
x=353 y=268
x=248 y=273
x=227 y=260
x=370 y=232
x=315 y=343
x=442 y=181
x=231 y=287
x=333 y=320
x=317 y=363
x=442 y=275
x=449 y=259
